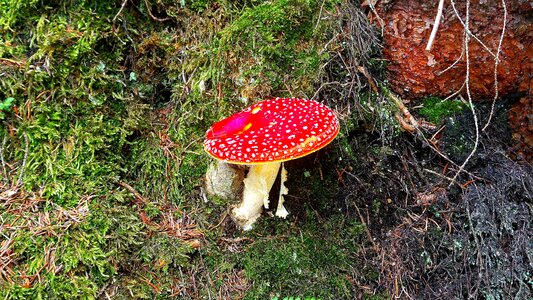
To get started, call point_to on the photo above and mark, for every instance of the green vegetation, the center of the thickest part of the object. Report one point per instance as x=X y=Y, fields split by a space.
x=5 y=106
x=103 y=110
x=273 y=46
x=321 y=255
x=435 y=110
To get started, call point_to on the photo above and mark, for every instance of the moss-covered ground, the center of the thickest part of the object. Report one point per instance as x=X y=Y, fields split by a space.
x=103 y=110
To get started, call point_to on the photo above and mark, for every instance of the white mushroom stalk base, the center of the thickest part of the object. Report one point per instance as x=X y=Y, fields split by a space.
x=257 y=185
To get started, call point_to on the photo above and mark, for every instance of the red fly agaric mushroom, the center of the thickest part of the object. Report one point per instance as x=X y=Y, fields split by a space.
x=263 y=136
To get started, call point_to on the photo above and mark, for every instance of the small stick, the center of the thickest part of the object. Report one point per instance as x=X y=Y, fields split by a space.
x=12 y=62
x=151 y=15
x=4 y=172
x=380 y=20
x=120 y=10
x=435 y=26
x=443 y=176
x=21 y=172
x=406 y=114
x=374 y=245
x=130 y=189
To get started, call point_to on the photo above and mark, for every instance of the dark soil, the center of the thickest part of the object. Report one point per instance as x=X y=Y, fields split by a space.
x=471 y=240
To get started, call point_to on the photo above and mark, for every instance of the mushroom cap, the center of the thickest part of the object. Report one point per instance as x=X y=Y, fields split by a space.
x=274 y=130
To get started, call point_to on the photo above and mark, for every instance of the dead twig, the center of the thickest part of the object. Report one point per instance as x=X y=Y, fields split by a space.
x=12 y=62
x=21 y=172
x=407 y=121
x=435 y=26
x=130 y=189
x=371 y=4
x=120 y=10
x=371 y=81
x=221 y=219
x=4 y=171
x=236 y=240
x=367 y=231
x=151 y=15
x=443 y=177
x=445 y=156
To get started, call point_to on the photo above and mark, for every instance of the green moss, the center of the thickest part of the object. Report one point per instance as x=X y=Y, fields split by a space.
x=167 y=251
x=313 y=261
x=275 y=46
x=5 y=107
x=78 y=252
x=435 y=110
x=14 y=12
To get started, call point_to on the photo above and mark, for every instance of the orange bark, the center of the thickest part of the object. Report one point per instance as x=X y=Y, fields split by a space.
x=414 y=72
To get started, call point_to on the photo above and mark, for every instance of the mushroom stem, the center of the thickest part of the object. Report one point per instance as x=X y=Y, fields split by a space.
x=281 y=211
x=257 y=185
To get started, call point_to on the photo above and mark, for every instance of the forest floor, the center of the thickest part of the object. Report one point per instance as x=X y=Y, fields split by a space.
x=103 y=110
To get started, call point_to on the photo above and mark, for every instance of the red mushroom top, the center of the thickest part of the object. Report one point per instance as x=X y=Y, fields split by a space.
x=274 y=130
